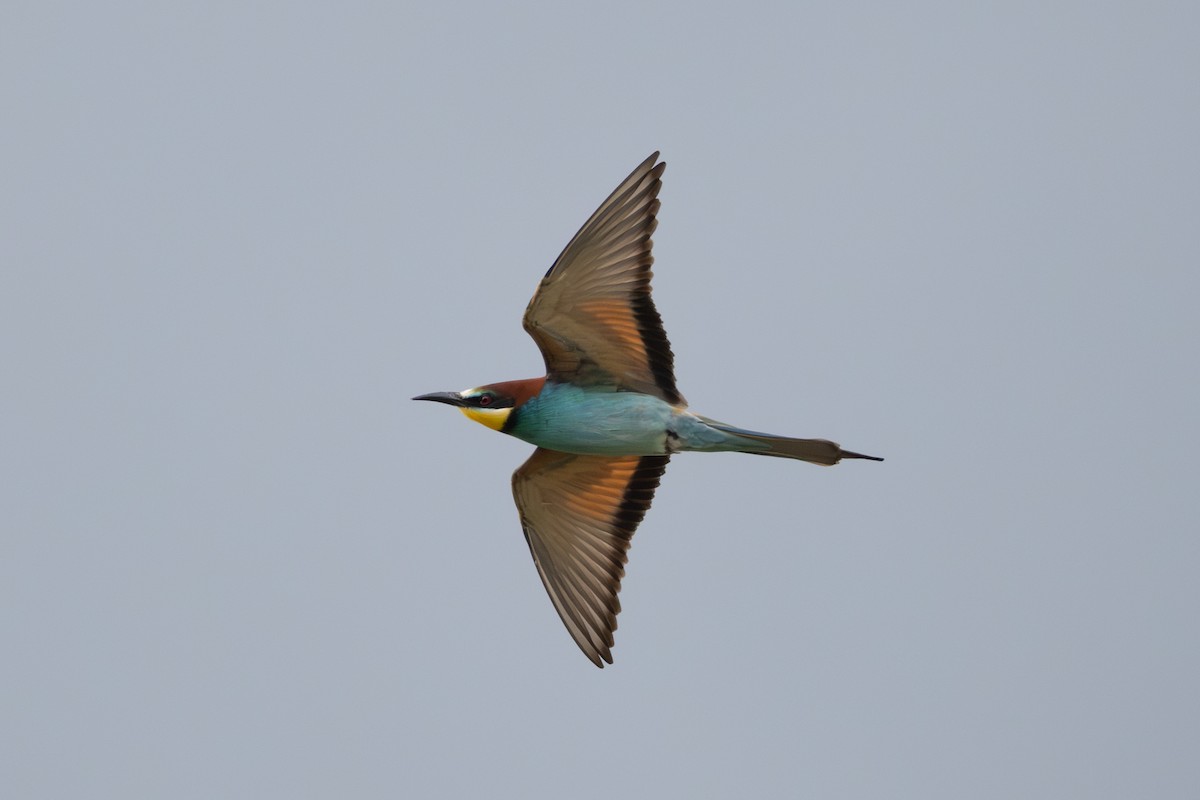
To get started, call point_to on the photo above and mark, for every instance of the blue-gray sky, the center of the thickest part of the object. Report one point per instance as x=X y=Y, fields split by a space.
x=237 y=562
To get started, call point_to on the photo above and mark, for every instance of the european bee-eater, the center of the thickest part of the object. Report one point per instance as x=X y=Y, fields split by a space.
x=606 y=417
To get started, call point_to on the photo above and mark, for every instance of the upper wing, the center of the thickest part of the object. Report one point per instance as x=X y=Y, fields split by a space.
x=592 y=315
x=579 y=514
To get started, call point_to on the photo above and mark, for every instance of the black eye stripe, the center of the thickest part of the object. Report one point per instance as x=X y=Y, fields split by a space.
x=490 y=400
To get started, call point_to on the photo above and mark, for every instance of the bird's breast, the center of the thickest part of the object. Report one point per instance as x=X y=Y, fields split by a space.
x=572 y=419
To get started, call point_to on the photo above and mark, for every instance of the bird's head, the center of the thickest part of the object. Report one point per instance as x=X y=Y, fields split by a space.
x=489 y=405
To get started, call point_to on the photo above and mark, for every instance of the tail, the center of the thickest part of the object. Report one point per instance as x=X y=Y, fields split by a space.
x=814 y=451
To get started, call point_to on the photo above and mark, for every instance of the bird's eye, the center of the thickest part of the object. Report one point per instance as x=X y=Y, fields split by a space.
x=485 y=400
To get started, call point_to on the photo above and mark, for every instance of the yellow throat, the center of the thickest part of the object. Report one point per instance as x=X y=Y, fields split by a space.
x=494 y=418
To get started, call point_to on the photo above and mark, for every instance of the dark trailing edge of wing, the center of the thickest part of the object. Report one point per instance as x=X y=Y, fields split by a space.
x=640 y=492
x=658 y=348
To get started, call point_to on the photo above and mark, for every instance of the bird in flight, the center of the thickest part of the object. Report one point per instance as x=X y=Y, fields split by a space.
x=607 y=416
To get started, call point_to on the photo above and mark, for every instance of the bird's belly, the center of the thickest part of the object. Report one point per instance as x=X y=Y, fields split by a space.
x=574 y=420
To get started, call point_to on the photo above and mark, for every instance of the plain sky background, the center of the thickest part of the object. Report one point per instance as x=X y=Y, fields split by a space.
x=238 y=562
